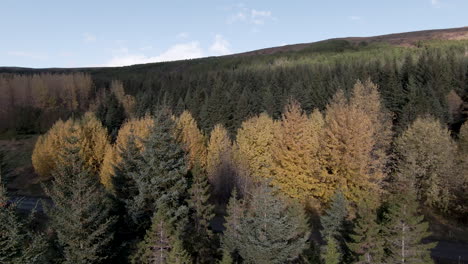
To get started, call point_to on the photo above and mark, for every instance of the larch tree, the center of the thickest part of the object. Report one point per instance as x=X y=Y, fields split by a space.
x=140 y=129
x=81 y=212
x=347 y=146
x=219 y=162
x=192 y=139
x=253 y=146
x=404 y=230
x=425 y=161
x=366 y=96
x=94 y=142
x=268 y=224
x=295 y=154
x=462 y=190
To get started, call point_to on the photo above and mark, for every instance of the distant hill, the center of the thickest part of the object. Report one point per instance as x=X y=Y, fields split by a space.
x=405 y=39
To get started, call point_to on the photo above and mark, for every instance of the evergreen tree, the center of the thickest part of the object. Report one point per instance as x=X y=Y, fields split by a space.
x=231 y=235
x=269 y=224
x=367 y=240
x=18 y=246
x=201 y=212
x=160 y=179
x=80 y=215
x=112 y=114
x=404 y=229
x=331 y=254
x=334 y=217
x=227 y=258
x=161 y=244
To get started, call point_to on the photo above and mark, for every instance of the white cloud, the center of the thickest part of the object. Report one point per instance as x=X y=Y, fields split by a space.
x=183 y=35
x=29 y=55
x=259 y=17
x=88 y=37
x=220 y=46
x=181 y=51
x=355 y=18
x=145 y=48
x=250 y=16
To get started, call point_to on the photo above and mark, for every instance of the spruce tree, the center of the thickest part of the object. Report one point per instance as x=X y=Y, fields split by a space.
x=161 y=178
x=367 y=242
x=404 y=229
x=334 y=217
x=269 y=224
x=226 y=258
x=161 y=244
x=80 y=215
x=331 y=253
x=231 y=235
x=17 y=244
x=201 y=212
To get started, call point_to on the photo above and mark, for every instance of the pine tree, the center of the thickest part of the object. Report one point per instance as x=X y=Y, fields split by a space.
x=404 y=229
x=269 y=224
x=231 y=235
x=201 y=212
x=80 y=215
x=367 y=240
x=331 y=253
x=161 y=180
x=178 y=255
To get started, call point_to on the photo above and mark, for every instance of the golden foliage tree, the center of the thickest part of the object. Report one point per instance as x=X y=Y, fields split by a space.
x=366 y=96
x=45 y=153
x=140 y=128
x=347 y=146
x=295 y=154
x=93 y=141
x=253 y=148
x=192 y=139
x=425 y=161
x=218 y=161
x=128 y=101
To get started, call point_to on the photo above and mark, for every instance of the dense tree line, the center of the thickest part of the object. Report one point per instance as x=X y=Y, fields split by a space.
x=430 y=78
x=167 y=184
x=270 y=153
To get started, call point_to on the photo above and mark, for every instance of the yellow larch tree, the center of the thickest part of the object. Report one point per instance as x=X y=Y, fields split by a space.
x=46 y=151
x=366 y=97
x=94 y=141
x=192 y=139
x=219 y=157
x=347 y=145
x=140 y=127
x=295 y=154
x=253 y=146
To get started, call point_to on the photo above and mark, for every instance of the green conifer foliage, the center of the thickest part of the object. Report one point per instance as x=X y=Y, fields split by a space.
x=367 y=240
x=201 y=212
x=269 y=224
x=332 y=253
x=404 y=229
x=161 y=175
x=80 y=215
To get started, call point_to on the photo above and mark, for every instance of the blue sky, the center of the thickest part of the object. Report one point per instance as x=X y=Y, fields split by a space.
x=113 y=33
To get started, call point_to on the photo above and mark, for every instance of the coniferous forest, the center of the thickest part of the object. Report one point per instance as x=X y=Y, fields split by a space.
x=341 y=152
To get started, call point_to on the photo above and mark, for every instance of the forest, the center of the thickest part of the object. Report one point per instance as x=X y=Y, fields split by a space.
x=337 y=153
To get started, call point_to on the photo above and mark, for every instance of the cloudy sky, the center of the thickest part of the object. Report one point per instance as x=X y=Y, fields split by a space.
x=115 y=33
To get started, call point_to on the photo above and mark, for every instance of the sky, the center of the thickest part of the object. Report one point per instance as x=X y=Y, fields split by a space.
x=85 y=33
